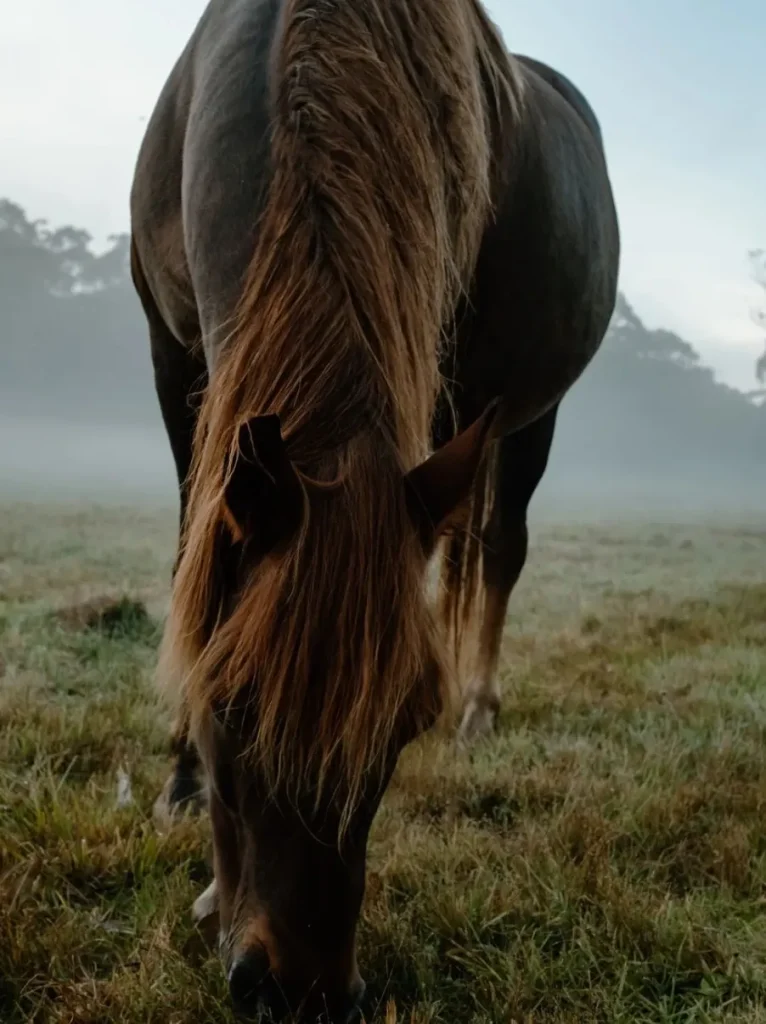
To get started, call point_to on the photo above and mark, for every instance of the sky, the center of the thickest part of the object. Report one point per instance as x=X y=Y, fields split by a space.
x=678 y=86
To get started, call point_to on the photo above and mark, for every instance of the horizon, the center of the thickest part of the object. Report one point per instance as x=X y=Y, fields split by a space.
x=681 y=143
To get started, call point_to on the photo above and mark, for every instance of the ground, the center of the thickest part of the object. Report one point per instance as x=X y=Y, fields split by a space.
x=603 y=859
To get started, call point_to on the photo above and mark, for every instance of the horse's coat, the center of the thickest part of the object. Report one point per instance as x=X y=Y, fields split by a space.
x=355 y=222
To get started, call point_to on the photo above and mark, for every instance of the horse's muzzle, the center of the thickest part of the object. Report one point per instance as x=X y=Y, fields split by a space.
x=254 y=988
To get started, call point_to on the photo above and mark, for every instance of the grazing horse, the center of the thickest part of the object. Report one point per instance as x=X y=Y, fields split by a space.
x=374 y=251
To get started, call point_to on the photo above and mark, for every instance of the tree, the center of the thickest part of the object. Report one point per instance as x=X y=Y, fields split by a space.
x=60 y=262
x=627 y=332
x=72 y=335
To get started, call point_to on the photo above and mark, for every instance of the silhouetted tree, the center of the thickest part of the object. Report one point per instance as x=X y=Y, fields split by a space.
x=627 y=332
x=61 y=261
x=648 y=409
x=72 y=337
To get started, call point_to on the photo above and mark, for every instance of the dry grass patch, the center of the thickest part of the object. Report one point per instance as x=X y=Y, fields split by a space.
x=603 y=859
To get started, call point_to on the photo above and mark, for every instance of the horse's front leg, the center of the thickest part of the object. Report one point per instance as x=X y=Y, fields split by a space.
x=185 y=790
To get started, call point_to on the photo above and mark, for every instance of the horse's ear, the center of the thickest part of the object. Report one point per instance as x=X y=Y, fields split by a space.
x=438 y=487
x=264 y=497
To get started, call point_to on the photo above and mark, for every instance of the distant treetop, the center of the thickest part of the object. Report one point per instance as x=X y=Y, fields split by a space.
x=60 y=261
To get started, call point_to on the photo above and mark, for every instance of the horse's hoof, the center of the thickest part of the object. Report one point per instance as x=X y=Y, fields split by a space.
x=479 y=720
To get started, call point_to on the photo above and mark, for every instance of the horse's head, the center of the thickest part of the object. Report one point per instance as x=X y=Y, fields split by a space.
x=328 y=664
x=289 y=890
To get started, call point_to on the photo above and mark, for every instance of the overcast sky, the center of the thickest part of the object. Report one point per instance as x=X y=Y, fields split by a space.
x=678 y=86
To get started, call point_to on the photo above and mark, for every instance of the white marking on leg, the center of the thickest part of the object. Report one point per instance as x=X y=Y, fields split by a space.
x=479 y=710
x=207 y=904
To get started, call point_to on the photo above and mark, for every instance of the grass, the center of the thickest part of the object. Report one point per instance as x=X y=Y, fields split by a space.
x=603 y=859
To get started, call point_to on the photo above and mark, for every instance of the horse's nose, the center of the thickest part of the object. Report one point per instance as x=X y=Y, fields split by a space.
x=246 y=979
x=253 y=987
x=345 y=1010
x=355 y=996
x=316 y=1008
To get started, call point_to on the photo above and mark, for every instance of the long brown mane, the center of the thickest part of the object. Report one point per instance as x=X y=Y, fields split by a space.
x=381 y=155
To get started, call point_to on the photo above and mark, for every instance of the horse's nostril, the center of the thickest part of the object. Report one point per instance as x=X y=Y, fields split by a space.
x=253 y=989
x=354 y=1014
x=246 y=979
x=275 y=1000
x=346 y=1010
x=356 y=995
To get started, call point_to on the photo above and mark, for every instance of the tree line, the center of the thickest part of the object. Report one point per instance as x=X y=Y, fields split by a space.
x=74 y=348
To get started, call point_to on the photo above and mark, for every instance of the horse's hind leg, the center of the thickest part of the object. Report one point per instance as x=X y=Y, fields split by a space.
x=521 y=462
x=179 y=379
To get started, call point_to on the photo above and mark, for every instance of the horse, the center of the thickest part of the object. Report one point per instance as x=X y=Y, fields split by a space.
x=374 y=250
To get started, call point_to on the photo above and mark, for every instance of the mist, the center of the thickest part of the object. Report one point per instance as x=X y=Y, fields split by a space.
x=647 y=431
x=63 y=462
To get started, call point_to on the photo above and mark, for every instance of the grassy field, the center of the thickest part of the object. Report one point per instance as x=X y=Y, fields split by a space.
x=603 y=859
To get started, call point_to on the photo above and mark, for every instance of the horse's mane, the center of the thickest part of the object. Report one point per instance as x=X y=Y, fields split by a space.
x=381 y=162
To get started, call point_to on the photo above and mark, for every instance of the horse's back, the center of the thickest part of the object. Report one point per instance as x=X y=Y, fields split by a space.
x=566 y=89
x=546 y=279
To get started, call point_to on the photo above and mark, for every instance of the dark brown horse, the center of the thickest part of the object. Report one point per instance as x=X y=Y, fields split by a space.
x=362 y=232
